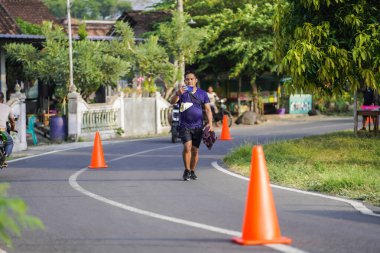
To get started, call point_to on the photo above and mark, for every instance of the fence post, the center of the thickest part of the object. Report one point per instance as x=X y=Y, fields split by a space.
x=74 y=121
x=17 y=103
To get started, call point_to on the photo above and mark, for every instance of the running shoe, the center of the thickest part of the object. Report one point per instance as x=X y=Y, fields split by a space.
x=193 y=176
x=186 y=175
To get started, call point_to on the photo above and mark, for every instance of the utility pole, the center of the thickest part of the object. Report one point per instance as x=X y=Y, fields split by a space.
x=72 y=86
x=182 y=59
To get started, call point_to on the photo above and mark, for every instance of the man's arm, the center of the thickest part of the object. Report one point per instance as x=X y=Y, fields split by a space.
x=175 y=98
x=12 y=122
x=209 y=115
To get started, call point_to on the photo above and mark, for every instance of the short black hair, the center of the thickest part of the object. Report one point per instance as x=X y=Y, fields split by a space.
x=1 y=96
x=190 y=71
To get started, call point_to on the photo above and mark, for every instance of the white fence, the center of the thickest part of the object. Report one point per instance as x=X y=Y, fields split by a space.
x=134 y=116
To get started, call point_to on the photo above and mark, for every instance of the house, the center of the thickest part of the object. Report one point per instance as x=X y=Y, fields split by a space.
x=93 y=27
x=33 y=11
x=142 y=21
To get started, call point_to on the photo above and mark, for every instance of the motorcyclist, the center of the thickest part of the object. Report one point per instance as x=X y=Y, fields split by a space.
x=5 y=115
x=213 y=97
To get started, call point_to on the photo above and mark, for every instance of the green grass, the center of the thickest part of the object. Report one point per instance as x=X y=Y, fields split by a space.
x=338 y=164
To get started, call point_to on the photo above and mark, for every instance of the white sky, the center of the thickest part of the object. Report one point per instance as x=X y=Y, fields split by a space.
x=141 y=4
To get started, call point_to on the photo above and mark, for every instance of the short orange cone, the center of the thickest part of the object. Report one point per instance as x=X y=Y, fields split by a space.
x=260 y=225
x=225 y=135
x=97 y=160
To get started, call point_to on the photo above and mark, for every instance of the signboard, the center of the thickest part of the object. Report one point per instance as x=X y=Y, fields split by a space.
x=244 y=96
x=269 y=96
x=300 y=104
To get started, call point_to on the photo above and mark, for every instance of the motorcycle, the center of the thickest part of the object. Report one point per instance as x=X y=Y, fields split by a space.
x=175 y=123
x=222 y=110
x=3 y=140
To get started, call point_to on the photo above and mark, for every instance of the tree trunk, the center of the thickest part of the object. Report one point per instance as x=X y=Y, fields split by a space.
x=255 y=97
x=238 y=98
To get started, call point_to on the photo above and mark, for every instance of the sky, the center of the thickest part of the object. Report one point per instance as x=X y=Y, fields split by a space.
x=141 y=4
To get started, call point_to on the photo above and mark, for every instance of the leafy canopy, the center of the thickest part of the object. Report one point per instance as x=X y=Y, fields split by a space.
x=14 y=216
x=328 y=45
x=92 y=65
x=88 y=9
x=239 y=36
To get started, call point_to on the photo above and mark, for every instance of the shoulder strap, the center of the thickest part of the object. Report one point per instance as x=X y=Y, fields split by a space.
x=197 y=99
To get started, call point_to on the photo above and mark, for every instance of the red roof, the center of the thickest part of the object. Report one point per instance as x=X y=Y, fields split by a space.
x=33 y=11
x=7 y=23
x=93 y=27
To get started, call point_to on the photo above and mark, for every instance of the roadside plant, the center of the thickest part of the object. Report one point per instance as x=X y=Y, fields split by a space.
x=14 y=217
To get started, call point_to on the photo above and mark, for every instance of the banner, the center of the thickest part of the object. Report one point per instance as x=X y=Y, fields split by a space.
x=300 y=104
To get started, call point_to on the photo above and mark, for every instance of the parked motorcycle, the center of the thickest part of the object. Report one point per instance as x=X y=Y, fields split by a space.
x=175 y=123
x=222 y=110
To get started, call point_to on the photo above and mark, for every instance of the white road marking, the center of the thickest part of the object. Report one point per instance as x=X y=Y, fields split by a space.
x=355 y=204
x=74 y=184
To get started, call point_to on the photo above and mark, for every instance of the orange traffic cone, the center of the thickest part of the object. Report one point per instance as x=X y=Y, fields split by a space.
x=260 y=225
x=97 y=160
x=225 y=135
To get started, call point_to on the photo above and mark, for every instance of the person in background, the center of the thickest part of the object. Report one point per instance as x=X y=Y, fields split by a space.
x=191 y=99
x=213 y=97
x=368 y=100
x=5 y=115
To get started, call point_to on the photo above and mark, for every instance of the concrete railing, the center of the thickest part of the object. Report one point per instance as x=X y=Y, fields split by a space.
x=134 y=115
x=86 y=119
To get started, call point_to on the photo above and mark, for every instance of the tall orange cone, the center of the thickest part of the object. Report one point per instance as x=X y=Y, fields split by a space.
x=260 y=224
x=225 y=135
x=97 y=160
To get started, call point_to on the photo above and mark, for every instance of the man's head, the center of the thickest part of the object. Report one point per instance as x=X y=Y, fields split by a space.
x=191 y=79
x=1 y=97
x=210 y=89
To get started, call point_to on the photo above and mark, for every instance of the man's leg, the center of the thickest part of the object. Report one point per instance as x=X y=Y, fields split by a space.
x=8 y=145
x=194 y=158
x=186 y=154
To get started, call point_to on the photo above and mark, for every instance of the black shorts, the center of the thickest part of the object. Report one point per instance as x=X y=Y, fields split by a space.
x=194 y=135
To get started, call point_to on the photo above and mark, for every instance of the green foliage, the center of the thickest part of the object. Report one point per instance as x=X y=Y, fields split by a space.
x=82 y=32
x=244 y=36
x=152 y=61
x=181 y=42
x=328 y=46
x=338 y=164
x=93 y=65
x=119 y=131
x=14 y=217
x=90 y=9
x=27 y=27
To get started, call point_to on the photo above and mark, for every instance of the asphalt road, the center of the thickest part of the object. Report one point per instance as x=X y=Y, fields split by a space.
x=140 y=204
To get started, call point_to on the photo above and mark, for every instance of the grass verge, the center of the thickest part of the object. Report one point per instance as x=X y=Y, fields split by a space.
x=338 y=164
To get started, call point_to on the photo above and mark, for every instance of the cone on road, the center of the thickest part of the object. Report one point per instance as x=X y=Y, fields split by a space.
x=260 y=224
x=225 y=135
x=97 y=160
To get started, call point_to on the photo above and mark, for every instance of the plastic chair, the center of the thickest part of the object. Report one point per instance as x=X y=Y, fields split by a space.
x=30 y=129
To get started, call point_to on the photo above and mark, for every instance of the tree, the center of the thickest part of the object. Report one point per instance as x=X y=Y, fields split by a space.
x=181 y=41
x=93 y=66
x=329 y=46
x=88 y=9
x=242 y=36
x=239 y=37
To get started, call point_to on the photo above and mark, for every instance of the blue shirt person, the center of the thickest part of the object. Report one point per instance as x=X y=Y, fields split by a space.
x=191 y=100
